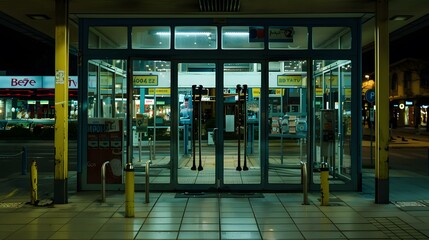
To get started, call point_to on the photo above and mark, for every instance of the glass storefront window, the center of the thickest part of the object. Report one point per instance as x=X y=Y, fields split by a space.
x=153 y=37
x=288 y=38
x=195 y=37
x=243 y=37
x=332 y=38
x=100 y=37
x=287 y=120
x=332 y=118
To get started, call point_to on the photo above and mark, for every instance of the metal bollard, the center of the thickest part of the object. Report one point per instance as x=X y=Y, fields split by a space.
x=147 y=181
x=324 y=184
x=24 y=161
x=33 y=175
x=304 y=181
x=129 y=190
x=103 y=181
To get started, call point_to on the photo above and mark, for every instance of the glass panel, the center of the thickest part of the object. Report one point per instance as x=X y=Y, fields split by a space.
x=151 y=118
x=288 y=38
x=151 y=37
x=332 y=38
x=107 y=38
x=242 y=162
x=332 y=119
x=106 y=127
x=243 y=37
x=197 y=123
x=288 y=120
x=198 y=37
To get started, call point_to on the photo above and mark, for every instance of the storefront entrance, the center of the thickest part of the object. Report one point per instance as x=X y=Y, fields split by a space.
x=211 y=119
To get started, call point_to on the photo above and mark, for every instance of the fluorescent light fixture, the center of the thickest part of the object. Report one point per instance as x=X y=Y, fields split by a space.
x=38 y=16
x=237 y=34
x=401 y=17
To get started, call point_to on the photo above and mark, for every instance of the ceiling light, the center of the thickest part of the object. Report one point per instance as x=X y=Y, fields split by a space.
x=38 y=16
x=401 y=17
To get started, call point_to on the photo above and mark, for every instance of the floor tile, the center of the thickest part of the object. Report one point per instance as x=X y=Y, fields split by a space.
x=160 y=227
x=323 y=235
x=199 y=227
x=240 y=235
x=238 y=227
x=199 y=235
x=281 y=235
x=157 y=235
x=115 y=235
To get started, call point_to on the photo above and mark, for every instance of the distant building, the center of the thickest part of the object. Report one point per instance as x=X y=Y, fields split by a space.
x=409 y=93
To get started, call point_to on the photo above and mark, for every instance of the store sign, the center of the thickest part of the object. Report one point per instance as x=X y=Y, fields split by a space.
x=280 y=34
x=408 y=103
x=288 y=80
x=145 y=80
x=18 y=82
x=26 y=82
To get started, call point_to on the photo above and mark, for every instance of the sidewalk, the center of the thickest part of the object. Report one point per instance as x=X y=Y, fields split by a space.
x=351 y=215
x=400 y=137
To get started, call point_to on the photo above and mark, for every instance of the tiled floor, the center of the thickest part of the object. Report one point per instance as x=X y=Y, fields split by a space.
x=273 y=216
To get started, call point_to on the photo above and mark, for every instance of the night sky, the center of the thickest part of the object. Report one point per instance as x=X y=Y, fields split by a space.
x=23 y=55
x=415 y=45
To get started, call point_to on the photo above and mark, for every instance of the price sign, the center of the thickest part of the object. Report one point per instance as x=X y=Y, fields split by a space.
x=145 y=80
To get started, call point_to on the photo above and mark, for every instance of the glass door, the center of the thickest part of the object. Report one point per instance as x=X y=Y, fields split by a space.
x=218 y=125
x=151 y=110
x=197 y=126
x=240 y=135
x=287 y=114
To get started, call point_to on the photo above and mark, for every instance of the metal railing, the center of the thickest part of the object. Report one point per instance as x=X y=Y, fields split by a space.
x=147 y=181
x=304 y=181
x=103 y=181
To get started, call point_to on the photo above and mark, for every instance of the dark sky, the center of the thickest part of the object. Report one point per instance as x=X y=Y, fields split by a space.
x=414 y=45
x=23 y=55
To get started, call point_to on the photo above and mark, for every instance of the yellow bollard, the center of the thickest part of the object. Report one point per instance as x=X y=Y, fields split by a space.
x=129 y=190
x=33 y=176
x=324 y=184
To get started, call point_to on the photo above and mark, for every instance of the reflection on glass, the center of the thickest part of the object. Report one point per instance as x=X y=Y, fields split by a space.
x=101 y=37
x=196 y=37
x=332 y=38
x=242 y=37
x=288 y=38
x=154 y=37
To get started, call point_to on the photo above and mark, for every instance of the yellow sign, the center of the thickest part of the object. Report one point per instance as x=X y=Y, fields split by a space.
x=280 y=91
x=284 y=80
x=256 y=92
x=145 y=80
x=159 y=91
x=319 y=92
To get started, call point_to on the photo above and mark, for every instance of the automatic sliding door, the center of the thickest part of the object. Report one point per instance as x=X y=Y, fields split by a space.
x=197 y=108
x=241 y=88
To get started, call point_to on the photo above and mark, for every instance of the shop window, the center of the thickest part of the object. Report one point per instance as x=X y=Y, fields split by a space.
x=243 y=37
x=332 y=38
x=196 y=37
x=407 y=79
x=288 y=38
x=394 y=84
x=154 y=37
x=107 y=38
x=424 y=78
